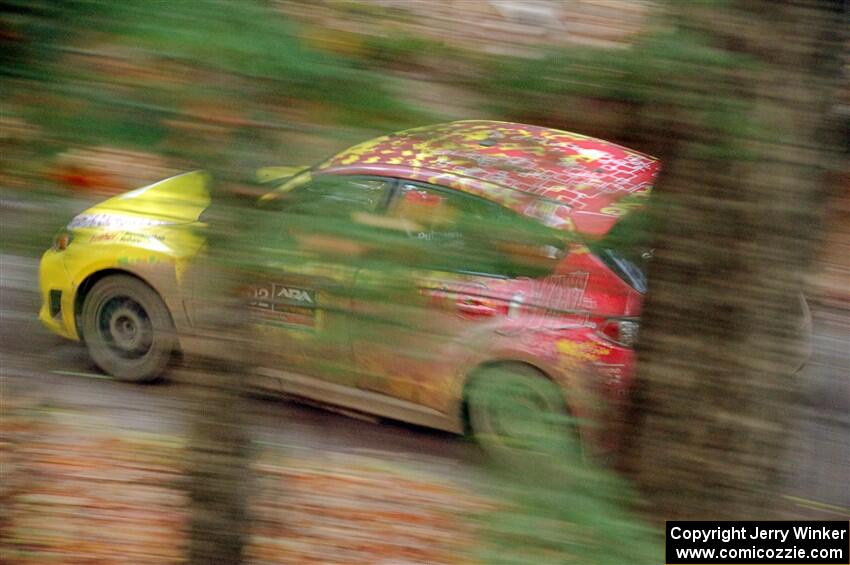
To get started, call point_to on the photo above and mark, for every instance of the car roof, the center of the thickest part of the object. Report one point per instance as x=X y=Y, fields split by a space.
x=565 y=179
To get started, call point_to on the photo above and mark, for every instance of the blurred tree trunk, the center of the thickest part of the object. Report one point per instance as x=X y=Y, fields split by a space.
x=744 y=151
x=219 y=442
x=219 y=466
x=219 y=364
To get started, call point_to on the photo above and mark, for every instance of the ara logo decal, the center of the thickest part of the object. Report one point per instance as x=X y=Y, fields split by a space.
x=285 y=305
x=293 y=294
x=270 y=295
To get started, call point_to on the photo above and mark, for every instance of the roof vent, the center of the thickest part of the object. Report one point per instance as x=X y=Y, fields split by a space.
x=489 y=142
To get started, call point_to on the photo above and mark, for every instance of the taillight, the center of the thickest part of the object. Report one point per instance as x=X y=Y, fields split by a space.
x=619 y=330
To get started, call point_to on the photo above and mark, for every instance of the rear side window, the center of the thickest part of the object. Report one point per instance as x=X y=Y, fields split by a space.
x=439 y=216
x=461 y=232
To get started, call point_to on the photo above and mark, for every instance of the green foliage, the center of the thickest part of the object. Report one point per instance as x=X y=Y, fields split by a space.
x=558 y=506
x=240 y=56
x=97 y=124
x=633 y=74
x=29 y=230
x=251 y=42
x=658 y=72
x=403 y=48
x=371 y=10
x=35 y=28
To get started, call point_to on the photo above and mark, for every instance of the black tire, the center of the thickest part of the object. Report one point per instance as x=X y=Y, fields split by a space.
x=128 y=329
x=514 y=410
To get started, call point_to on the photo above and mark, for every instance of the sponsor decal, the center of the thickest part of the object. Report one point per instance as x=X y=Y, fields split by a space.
x=108 y=220
x=557 y=297
x=284 y=304
x=121 y=237
x=580 y=351
x=150 y=260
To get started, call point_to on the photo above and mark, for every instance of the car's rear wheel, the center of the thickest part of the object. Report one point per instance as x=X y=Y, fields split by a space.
x=127 y=329
x=513 y=410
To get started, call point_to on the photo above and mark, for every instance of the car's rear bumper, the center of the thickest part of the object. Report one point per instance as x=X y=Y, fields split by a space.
x=57 y=296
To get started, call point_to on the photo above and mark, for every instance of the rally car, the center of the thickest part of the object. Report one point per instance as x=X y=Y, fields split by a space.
x=446 y=275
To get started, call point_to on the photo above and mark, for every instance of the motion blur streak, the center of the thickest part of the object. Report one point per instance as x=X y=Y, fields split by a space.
x=492 y=281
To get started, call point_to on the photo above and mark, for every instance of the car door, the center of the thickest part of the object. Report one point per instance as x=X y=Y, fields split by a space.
x=301 y=288
x=417 y=311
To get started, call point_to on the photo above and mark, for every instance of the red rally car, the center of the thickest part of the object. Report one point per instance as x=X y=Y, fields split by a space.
x=491 y=288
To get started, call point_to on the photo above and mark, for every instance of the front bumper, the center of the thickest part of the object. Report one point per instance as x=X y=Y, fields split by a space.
x=57 y=311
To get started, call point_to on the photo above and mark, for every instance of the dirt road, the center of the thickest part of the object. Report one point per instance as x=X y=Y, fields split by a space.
x=58 y=373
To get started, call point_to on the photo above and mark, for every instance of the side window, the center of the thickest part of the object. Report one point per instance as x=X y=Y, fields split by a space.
x=443 y=217
x=336 y=196
x=451 y=230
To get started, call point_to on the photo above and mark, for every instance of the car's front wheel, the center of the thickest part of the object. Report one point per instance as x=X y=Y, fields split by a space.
x=127 y=329
x=514 y=410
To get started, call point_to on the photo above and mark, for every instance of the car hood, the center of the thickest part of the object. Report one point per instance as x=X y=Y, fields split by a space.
x=176 y=200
